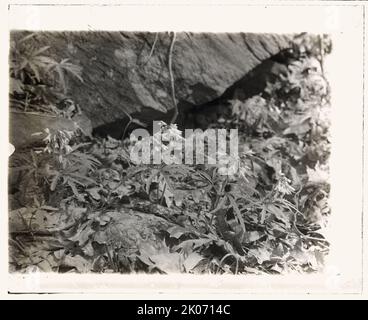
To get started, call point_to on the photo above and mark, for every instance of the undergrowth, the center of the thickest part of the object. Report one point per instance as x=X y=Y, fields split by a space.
x=80 y=206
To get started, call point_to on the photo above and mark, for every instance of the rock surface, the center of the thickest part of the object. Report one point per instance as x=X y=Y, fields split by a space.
x=124 y=73
x=28 y=129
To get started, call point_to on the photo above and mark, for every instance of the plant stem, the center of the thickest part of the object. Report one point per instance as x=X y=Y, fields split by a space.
x=128 y=124
x=175 y=115
x=152 y=49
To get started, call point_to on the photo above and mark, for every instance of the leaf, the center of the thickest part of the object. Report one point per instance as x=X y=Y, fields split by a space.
x=300 y=126
x=279 y=214
x=303 y=256
x=31 y=35
x=46 y=60
x=192 y=261
x=16 y=86
x=261 y=254
x=279 y=251
x=81 y=264
x=317 y=175
x=103 y=219
x=150 y=179
x=17 y=220
x=146 y=260
x=179 y=196
x=75 y=189
x=34 y=68
x=54 y=182
x=167 y=262
x=220 y=206
x=123 y=190
x=101 y=237
x=60 y=72
x=80 y=178
x=164 y=189
x=132 y=171
x=88 y=250
x=39 y=51
x=262 y=216
x=94 y=193
x=177 y=231
x=190 y=245
x=64 y=66
x=277 y=268
x=275 y=163
x=197 y=195
x=59 y=254
x=161 y=257
x=176 y=170
x=49 y=208
x=238 y=214
x=77 y=212
x=253 y=270
x=253 y=236
x=83 y=235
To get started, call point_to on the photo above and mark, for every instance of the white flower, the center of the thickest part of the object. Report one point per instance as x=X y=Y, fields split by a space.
x=283 y=185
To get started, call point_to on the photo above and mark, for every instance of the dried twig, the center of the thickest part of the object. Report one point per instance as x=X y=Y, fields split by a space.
x=152 y=49
x=128 y=124
x=175 y=115
x=223 y=260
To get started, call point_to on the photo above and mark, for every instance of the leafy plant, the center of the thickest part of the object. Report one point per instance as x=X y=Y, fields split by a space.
x=35 y=77
x=70 y=166
x=267 y=217
x=64 y=67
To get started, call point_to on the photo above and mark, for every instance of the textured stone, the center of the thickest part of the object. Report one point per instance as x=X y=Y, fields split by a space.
x=28 y=129
x=120 y=76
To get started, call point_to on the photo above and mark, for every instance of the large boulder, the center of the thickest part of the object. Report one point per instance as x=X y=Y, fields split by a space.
x=124 y=73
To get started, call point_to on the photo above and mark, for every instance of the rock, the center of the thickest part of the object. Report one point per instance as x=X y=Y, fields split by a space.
x=127 y=230
x=120 y=76
x=28 y=129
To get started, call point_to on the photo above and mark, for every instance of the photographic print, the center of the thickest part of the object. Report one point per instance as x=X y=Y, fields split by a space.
x=168 y=152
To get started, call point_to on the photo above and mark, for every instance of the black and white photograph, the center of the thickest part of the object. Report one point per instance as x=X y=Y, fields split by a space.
x=80 y=203
x=173 y=152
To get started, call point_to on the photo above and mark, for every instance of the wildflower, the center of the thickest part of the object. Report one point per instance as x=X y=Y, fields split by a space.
x=283 y=185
